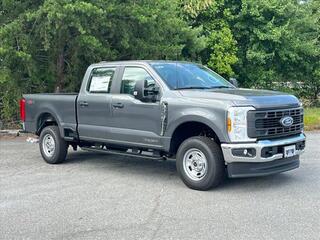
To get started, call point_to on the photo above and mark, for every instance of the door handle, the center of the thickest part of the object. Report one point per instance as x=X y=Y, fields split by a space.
x=117 y=105
x=83 y=104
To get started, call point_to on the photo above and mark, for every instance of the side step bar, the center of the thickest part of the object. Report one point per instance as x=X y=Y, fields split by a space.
x=124 y=153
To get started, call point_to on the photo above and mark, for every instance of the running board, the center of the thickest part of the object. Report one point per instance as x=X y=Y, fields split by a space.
x=123 y=153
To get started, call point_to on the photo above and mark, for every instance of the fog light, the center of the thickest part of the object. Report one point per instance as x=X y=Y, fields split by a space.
x=244 y=152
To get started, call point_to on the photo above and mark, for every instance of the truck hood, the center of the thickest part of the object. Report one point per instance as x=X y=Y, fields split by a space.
x=246 y=97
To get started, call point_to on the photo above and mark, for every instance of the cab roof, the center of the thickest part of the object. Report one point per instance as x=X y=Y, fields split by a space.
x=142 y=62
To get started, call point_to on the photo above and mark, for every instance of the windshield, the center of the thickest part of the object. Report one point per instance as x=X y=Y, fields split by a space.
x=179 y=75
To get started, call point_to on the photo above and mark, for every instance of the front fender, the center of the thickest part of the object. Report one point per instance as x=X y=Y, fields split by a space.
x=215 y=120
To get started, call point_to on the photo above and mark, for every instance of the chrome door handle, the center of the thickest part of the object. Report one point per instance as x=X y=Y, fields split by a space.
x=83 y=104
x=117 y=105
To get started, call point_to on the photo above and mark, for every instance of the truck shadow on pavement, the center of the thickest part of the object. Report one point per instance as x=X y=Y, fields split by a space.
x=158 y=170
x=259 y=183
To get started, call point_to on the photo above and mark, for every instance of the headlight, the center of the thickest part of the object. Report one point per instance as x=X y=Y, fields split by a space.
x=237 y=124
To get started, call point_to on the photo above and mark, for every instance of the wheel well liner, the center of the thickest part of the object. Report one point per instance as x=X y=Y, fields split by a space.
x=190 y=129
x=44 y=120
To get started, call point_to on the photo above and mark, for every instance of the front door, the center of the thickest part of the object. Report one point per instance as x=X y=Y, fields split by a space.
x=136 y=122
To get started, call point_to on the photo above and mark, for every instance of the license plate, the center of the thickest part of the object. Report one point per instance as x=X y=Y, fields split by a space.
x=289 y=151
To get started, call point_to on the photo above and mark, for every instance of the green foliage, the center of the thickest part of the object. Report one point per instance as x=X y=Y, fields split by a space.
x=278 y=44
x=220 y=52
x=46 y=45
x=223 y=51
x=307 y=69
x=192 y=8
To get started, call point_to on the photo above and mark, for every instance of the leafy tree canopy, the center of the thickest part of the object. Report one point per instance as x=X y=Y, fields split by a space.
x=46 y=45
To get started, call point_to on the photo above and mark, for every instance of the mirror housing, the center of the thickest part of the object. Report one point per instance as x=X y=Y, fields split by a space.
x=138 y=92
x=234 y=82
x=143 y=93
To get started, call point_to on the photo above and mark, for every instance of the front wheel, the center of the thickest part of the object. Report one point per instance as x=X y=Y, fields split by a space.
x=53 y=147
x=200 y=163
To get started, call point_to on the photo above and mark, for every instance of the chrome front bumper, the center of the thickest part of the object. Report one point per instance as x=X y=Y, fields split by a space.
x=258 y=146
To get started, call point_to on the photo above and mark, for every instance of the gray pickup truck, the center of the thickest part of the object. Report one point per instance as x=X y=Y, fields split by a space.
x=171 y=110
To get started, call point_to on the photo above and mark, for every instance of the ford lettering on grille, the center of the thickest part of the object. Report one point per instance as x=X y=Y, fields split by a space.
x=286 y=121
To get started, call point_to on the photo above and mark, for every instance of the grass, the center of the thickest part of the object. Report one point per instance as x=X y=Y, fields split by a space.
x=312 y=118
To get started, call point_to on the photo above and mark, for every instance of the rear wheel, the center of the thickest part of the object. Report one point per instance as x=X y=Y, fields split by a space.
x=53 y=147
x=200 y=163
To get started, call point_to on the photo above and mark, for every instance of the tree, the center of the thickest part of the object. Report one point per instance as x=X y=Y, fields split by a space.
x=220 y=52
x=47 y=45
x=308 y=48
x=278 y=42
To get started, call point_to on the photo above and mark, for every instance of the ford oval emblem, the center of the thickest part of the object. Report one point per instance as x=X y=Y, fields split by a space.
x=286 y=121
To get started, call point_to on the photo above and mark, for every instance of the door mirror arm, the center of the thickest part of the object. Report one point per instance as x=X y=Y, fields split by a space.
x=234 y=82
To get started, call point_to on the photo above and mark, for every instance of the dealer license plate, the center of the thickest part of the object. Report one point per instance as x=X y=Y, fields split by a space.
x=289 y=151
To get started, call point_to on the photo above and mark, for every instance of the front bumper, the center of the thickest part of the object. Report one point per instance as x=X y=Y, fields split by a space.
x=259 y=164
x=243 y=169
x=258 y=147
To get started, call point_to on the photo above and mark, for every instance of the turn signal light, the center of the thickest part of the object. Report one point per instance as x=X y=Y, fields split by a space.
x=229 y=124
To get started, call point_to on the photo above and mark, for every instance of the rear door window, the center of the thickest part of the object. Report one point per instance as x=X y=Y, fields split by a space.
x=101 y=80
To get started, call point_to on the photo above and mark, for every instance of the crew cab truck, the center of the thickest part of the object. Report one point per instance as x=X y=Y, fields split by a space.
x=175 y=110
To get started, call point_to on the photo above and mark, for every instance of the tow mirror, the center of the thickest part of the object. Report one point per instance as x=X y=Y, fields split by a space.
x=143 y=92
x=138 y=91
x=234 y=82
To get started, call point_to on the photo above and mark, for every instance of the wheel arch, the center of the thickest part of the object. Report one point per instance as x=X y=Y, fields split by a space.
x=44 y=119
x=191 y=128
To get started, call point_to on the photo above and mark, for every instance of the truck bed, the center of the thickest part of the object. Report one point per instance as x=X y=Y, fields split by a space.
x=61 y=106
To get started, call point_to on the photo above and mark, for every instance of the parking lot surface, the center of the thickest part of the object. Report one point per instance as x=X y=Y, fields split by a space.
x=101 y=196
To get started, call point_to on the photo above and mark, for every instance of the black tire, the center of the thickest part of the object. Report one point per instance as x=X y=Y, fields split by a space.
x=59 y=153
x=215 y=163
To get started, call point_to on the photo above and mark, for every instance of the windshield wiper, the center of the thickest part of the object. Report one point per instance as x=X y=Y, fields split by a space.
x=192 y=87
x=202 y=87
x=222 y=86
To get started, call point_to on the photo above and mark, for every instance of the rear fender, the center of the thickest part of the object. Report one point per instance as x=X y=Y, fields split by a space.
x=55 y=118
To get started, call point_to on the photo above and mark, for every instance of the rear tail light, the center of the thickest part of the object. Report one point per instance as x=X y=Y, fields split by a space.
x=23 y=109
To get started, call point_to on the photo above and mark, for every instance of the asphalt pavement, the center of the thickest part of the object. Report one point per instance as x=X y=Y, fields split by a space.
x=101 y=196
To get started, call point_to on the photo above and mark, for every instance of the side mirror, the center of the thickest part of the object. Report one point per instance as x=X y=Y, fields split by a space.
x=234 y=82
x=143 y=92
x=138 y=91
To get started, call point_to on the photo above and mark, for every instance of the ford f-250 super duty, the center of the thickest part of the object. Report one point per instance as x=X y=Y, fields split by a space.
x=178 y=110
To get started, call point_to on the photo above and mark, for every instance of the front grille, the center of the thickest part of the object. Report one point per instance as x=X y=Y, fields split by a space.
x=266 y=124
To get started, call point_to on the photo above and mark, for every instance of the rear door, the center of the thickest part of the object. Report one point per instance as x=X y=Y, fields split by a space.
x=134 y=121
x=94 y=104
